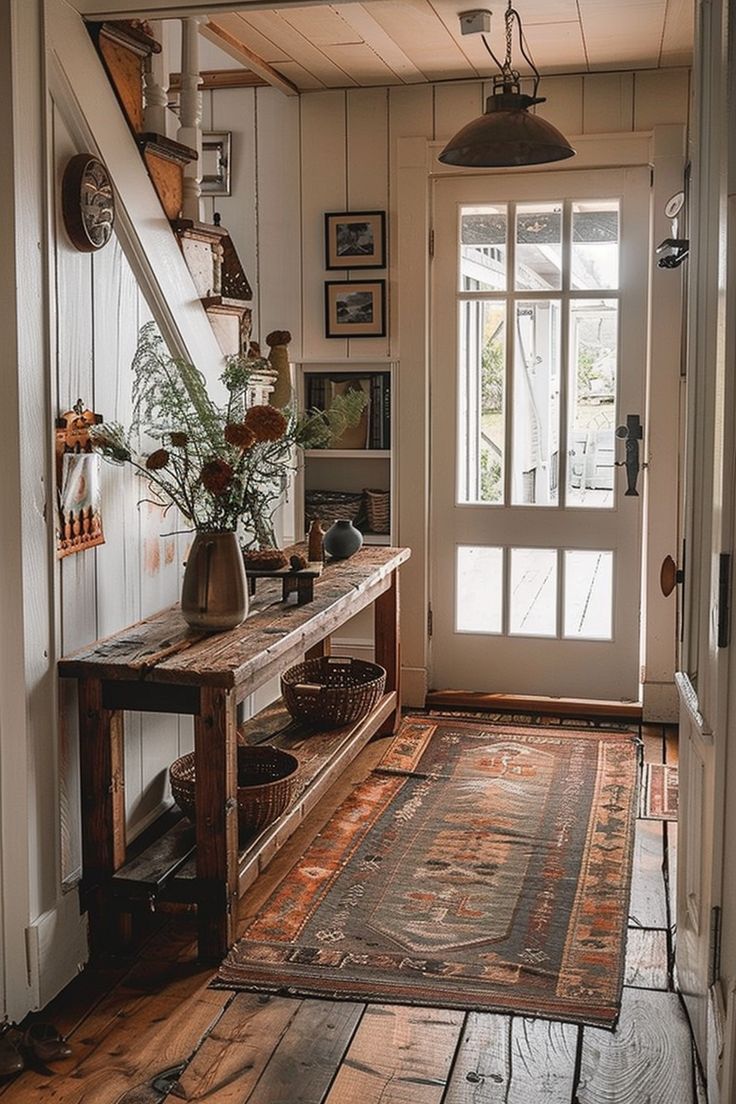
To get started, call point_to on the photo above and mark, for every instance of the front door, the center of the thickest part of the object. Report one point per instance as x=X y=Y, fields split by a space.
x=539 y=362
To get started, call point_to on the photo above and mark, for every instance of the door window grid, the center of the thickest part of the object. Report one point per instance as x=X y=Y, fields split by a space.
x=549 y=593
x=585 y=466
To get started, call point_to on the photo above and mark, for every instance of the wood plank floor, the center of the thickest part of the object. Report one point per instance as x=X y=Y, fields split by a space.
x=148 y=1030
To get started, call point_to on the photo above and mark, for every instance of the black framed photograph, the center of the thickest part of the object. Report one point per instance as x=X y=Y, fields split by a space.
x=355 y=240
x=355 y=308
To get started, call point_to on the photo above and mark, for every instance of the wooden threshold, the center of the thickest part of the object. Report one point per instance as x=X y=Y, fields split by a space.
x=529 y=703
x=167 y=867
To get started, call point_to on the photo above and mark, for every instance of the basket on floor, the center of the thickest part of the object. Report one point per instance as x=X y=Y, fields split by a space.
x=378 y=507
x=266 y=777
x=329 y=691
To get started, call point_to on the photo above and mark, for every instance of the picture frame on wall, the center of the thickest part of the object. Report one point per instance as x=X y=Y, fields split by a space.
x=216 y=159
x=355 y=239
x=355 y=308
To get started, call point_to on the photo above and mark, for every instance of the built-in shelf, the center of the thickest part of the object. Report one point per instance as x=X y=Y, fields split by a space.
x=350 y=475
x=348 y=454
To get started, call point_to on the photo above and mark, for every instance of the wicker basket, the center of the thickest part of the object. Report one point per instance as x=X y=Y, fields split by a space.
x=378 y=505
x=265 y=785
x=330 y=691
x=329 y=506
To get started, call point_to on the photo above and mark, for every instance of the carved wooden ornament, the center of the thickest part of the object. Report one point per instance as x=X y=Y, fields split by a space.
x=88 y=203
x=79 y=523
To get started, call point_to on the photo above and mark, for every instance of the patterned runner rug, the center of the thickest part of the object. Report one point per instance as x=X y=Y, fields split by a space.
x=659 y=792
x=483 y=867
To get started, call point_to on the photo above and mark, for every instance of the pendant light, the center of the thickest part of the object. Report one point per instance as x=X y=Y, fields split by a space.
x=507 y=135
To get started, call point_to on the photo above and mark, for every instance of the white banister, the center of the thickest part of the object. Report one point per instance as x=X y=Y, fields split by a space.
x=190 y=117
x=157 y=118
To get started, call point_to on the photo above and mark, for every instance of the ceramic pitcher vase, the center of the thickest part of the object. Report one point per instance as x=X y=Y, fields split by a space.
x=214 y=595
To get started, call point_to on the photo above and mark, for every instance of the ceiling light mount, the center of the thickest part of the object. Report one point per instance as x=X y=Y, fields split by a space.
x=507 y=135
x=477 y=21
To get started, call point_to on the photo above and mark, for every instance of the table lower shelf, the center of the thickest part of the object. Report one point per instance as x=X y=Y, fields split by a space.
x=167 y=868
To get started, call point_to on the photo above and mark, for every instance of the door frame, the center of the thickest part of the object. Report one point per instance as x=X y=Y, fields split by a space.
x=533 y=664
x=664 y=150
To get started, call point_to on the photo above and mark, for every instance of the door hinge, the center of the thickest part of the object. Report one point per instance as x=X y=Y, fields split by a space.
x=431 y=241
x=724 y=599
x=430 y=621
x=714 y=965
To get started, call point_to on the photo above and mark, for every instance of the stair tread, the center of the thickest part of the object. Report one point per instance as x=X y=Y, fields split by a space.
x=167 y=148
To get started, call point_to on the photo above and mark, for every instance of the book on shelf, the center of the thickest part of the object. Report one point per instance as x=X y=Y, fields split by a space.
x=374 y=429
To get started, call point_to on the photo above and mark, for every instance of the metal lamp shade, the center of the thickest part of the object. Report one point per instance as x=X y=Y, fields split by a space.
x=505 y=136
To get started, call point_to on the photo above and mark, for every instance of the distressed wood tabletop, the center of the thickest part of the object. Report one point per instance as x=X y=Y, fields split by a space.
x=162 y=647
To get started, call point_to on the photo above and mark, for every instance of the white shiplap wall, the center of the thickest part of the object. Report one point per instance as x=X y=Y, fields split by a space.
x=99 y=310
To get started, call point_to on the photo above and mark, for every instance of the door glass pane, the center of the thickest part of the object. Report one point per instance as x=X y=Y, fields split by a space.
x=592 y=385
x=479 y=589
x=533 y=592
x=483 y=248
x=595 y=241
x=538 y=246
x=589 y=595
x=536 y=403
x=481 y=401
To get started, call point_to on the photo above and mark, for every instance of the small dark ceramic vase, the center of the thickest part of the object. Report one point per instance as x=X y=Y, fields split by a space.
x=342 y=539
x=214 y=595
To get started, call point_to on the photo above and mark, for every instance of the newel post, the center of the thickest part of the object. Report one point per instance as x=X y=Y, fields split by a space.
x=190 y=116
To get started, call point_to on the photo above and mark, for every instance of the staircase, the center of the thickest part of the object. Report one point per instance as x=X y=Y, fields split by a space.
x=131 y=56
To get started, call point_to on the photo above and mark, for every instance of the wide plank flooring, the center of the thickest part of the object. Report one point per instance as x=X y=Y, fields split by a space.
x=150 y=1030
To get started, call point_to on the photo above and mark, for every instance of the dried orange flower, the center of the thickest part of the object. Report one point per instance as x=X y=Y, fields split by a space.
x=217 y=475
x=180 y=440
x=239 y=435
x=157 y=460
x=265 y=422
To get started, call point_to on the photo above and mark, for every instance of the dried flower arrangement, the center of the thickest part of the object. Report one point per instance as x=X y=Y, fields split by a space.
x=224 y=468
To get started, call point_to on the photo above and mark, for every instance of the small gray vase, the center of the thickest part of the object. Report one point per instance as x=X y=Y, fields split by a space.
x=342 y=539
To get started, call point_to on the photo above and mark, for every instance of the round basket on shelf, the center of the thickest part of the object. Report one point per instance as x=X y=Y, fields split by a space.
x=266 y=777
x=329 y=691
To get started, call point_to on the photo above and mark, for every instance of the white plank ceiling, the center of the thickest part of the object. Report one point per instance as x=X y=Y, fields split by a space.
x=380 y=42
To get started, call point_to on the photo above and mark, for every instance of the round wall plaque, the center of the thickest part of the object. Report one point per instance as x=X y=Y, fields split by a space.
x=88 y=203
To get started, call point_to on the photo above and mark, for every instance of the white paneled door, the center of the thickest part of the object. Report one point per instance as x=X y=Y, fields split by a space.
x=539 y=350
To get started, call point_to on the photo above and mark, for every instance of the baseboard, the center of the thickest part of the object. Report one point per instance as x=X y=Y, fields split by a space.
x=347 y=646
x=660 y=702
x=527 y=703
x=57 y=947
x=413 y=686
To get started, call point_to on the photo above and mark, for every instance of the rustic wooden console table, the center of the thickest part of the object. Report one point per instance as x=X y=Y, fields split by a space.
x=161 y=665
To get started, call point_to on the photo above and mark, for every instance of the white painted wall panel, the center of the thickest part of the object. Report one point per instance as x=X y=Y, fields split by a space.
x=367 y=176
x=323 y=188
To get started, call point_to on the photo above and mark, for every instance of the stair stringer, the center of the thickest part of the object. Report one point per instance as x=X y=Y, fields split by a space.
x=80 y=86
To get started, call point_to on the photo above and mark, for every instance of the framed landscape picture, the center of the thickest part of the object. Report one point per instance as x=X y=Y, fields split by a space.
x=355 y=240
x=355 y=308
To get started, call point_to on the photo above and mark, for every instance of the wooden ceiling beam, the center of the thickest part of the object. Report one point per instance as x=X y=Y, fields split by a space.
x=222 y=36
x=223 y=78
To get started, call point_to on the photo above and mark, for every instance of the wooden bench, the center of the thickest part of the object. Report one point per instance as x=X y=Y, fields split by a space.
x=160 y=665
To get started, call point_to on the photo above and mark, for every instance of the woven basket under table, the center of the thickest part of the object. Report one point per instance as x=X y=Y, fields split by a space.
x=329 y=691
x=266 y=777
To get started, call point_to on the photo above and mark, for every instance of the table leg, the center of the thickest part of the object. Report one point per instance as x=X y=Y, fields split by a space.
x=215 y=755
x=386 y=612
x=102 y=778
